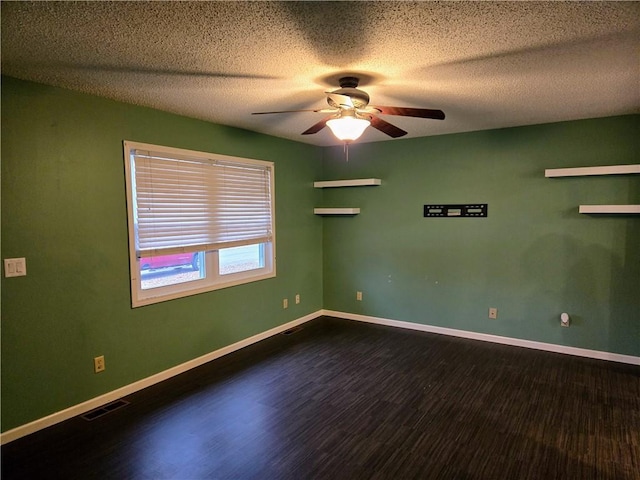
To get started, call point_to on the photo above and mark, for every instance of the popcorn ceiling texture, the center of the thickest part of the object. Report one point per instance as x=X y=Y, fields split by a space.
x=486 y=64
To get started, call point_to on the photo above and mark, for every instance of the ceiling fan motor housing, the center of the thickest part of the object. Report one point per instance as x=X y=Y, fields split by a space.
x=359 y=98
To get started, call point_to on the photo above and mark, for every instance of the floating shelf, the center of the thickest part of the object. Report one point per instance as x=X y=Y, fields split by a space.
x=356 y=182
x=336 y=211
x=628 y=209
x=583 y=171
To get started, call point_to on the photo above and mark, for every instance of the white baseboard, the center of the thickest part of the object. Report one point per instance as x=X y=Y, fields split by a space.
x=517 y=342
x=96 y=402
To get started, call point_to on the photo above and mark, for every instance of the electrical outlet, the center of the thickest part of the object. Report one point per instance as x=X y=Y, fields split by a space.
x=98 y=364
x=297 y=298
x=285 y=303
x=493 y=313
x=359 y=296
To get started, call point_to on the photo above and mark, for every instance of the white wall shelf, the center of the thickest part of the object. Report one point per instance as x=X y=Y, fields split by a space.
x=584 y=171
x=336 y=211
x=624 y=209
x=604 y=170
x=356 y=182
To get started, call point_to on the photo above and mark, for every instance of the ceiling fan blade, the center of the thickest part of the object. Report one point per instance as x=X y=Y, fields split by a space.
x=386 y=127
x=323 y=110
x=318 y=126
x=412 y=112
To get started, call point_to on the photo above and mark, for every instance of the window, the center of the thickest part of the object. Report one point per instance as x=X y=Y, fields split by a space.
x=197 y=221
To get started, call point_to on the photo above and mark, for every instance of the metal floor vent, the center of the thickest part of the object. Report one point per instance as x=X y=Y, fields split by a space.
x=103 y=410
x=291 y=331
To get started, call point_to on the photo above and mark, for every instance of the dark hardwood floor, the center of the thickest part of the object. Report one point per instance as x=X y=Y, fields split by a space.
x=346 y=400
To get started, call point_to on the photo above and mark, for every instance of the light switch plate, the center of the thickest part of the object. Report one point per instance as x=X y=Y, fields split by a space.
x=15 y=267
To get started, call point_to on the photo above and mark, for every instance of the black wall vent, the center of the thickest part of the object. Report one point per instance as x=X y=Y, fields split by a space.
x=103 y=410
x=291 y=331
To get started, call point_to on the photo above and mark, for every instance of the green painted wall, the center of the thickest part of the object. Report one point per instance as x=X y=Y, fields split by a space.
x=63 y=208
x=533 y=258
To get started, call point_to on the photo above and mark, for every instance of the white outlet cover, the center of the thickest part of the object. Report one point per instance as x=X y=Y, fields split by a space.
x=15 y=267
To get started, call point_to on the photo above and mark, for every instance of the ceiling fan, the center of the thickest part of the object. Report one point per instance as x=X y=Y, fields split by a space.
x=351 y=114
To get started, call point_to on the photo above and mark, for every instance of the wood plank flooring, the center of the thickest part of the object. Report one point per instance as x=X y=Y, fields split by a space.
x=346 y=400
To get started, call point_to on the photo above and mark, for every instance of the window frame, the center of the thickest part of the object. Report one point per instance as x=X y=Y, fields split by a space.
x=212 y=279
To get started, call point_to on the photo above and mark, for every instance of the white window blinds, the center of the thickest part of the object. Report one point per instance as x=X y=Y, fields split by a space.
x=194 y=204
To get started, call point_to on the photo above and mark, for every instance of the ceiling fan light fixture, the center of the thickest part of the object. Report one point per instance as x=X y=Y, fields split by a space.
x=348 y=128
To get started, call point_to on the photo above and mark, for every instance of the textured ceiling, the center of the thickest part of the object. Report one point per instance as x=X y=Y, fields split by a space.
x=485 y=64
